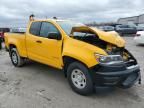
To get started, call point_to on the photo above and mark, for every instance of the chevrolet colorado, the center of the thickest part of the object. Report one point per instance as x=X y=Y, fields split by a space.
x=89 y=57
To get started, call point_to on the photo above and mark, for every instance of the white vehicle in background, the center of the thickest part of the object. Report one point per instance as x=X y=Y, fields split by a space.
x=139 y=38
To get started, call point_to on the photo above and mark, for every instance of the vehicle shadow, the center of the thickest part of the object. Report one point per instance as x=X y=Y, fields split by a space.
x=45 y=70
x=140 y=45
x=59 y=75
x=56 y=77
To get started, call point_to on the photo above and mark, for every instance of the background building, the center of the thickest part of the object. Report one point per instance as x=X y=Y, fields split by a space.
x=132 y=20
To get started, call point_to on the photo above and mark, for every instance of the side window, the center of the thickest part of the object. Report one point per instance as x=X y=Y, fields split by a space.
x=47 y=28
x=35 y=28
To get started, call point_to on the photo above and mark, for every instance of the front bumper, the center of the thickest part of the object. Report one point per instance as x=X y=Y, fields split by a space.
x=116 y=75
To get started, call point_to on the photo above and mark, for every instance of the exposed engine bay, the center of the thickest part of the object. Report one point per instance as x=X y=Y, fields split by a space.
x=91 y=39
x=111 y=49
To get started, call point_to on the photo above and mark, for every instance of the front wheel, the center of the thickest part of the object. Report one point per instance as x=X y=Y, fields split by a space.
x=15 y=58
x=79 y=78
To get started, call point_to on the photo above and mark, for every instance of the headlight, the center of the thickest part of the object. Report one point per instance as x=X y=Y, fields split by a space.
x=109 y=59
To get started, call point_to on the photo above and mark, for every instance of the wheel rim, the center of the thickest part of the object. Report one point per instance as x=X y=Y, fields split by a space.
x=78 y=78
x=14 y=58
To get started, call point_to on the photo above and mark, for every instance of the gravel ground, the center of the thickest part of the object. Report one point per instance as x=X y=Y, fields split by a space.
x=39 y=86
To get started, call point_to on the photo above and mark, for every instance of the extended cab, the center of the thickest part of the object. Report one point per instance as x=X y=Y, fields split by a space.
x=90 y=58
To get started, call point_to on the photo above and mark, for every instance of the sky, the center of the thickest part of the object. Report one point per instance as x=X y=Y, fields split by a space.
x=16 y=12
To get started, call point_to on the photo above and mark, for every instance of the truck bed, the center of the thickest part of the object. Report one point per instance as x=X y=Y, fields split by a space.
x=19 y=39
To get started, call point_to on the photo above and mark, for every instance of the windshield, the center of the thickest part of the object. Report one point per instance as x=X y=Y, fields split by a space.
x=68 y=25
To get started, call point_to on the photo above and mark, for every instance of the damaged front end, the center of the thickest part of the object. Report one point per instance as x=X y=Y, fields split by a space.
x=123 y=73
x=119 y=67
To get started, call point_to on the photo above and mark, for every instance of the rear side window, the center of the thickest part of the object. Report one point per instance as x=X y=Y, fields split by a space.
x=35 y=28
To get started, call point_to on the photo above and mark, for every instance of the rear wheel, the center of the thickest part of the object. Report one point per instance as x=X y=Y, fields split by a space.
x=15 y=58
x=79 y=78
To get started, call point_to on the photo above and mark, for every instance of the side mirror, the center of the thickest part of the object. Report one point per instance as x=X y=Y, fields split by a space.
x=54 y=35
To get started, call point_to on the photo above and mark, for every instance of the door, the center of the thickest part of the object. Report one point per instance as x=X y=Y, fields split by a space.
x=45 y=49
x=32 y=38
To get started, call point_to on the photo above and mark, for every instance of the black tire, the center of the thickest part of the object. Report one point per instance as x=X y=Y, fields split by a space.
x=88 y=89
x=19 y=61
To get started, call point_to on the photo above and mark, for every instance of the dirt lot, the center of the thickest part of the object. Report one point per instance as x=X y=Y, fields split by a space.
x=39 y=86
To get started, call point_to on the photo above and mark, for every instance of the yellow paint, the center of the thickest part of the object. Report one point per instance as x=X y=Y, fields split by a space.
x=51 y=51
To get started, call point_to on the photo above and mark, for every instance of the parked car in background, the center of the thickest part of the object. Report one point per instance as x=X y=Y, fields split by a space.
x=2 y=31
x=1 y=35
x=139 y=38
x=125 y=29
x=18 y=30
x=106 y=28
x=140 y=27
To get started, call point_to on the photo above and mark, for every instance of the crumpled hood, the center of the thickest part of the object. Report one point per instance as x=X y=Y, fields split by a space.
x=110 y=37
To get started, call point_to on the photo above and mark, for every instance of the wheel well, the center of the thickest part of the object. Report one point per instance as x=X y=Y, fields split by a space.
x=67 y=61
x=11 y=46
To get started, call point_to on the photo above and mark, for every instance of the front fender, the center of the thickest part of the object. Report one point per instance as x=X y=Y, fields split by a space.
x=88 y=61
x=81 y=51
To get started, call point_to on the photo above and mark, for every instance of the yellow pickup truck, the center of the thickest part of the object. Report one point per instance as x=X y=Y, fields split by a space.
x=90 y=58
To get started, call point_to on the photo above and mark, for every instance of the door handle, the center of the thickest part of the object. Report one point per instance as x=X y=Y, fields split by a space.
x=38 y=41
